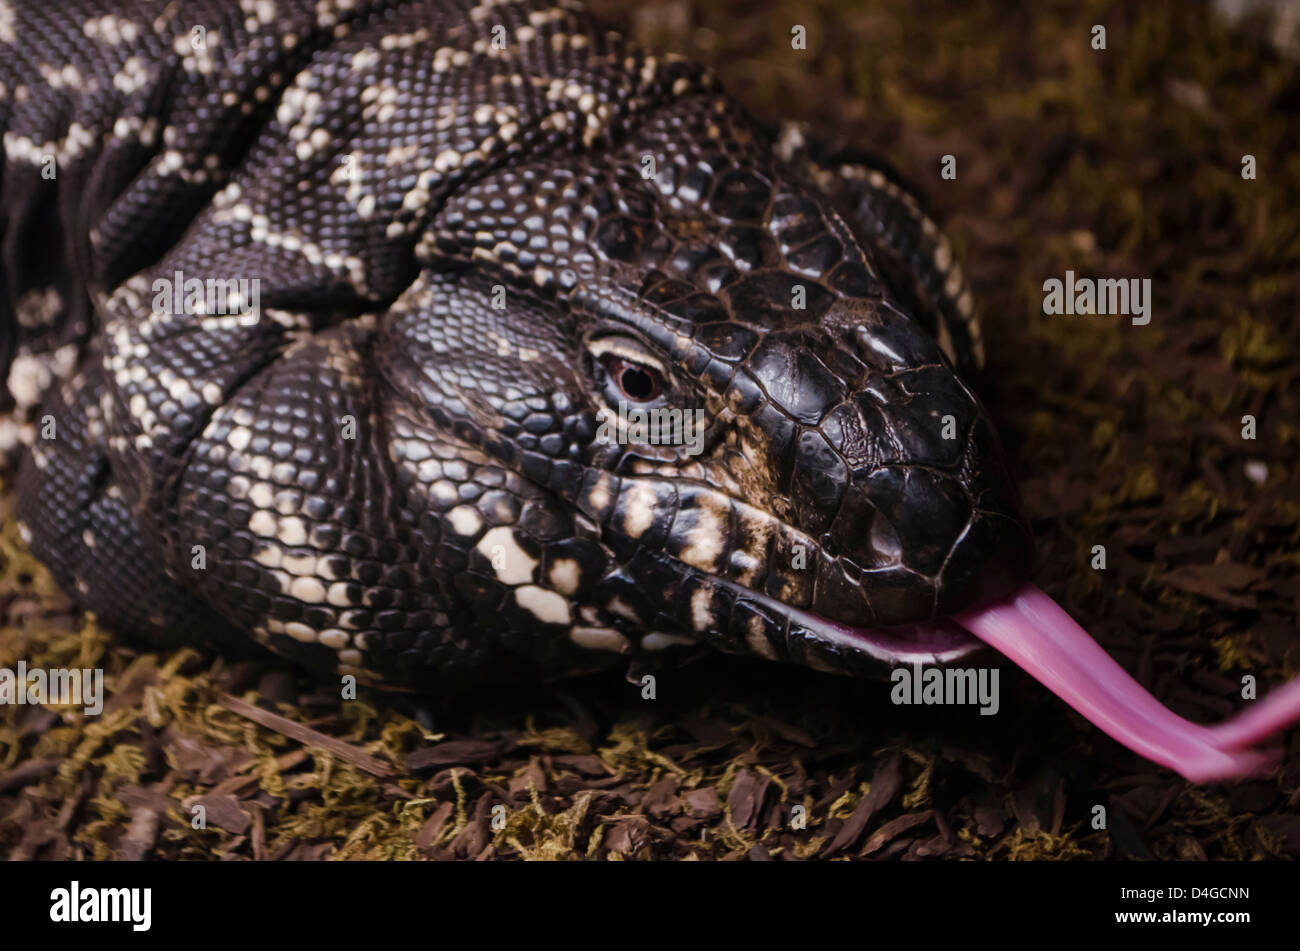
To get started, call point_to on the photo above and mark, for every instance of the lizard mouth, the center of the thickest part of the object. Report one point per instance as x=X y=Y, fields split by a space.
x=939 y=641
x=1037 y=635
x=933 y=641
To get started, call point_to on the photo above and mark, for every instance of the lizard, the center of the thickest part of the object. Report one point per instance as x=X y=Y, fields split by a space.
x=333 y=326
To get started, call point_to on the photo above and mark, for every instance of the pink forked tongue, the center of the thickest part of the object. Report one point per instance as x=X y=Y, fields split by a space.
x=1037 y=634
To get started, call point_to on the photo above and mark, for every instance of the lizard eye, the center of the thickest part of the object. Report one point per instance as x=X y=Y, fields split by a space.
x=636 y=381
x=627 y=370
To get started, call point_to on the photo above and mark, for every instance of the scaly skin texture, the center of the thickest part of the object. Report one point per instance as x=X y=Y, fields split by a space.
x=396 y=468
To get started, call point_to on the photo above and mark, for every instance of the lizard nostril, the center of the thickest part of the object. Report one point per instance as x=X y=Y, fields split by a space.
x=885 y=542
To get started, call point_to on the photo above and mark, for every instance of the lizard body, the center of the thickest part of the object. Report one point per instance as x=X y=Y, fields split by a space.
x=473 y=231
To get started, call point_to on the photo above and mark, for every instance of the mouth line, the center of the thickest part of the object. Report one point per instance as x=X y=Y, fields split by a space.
x=937 y=641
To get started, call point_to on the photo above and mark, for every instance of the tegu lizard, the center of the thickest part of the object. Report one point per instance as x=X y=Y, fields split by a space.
x=335 y=325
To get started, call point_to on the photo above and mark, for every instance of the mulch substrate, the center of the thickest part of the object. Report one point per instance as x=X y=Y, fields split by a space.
x=1121 y=163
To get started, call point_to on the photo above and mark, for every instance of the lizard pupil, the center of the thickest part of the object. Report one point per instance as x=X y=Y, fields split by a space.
x=637 y=382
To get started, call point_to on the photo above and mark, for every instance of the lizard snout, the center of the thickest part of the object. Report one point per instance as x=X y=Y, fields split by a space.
x=901 y=480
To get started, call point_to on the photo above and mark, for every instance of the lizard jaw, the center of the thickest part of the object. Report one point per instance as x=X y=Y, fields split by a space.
x=938 y=641
x=935 y=641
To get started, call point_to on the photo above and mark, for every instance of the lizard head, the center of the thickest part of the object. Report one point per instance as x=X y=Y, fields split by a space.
x=810 y=484
x=707 y=367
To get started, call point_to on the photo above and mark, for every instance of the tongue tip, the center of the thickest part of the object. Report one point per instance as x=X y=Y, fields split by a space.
x=1252 y=764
